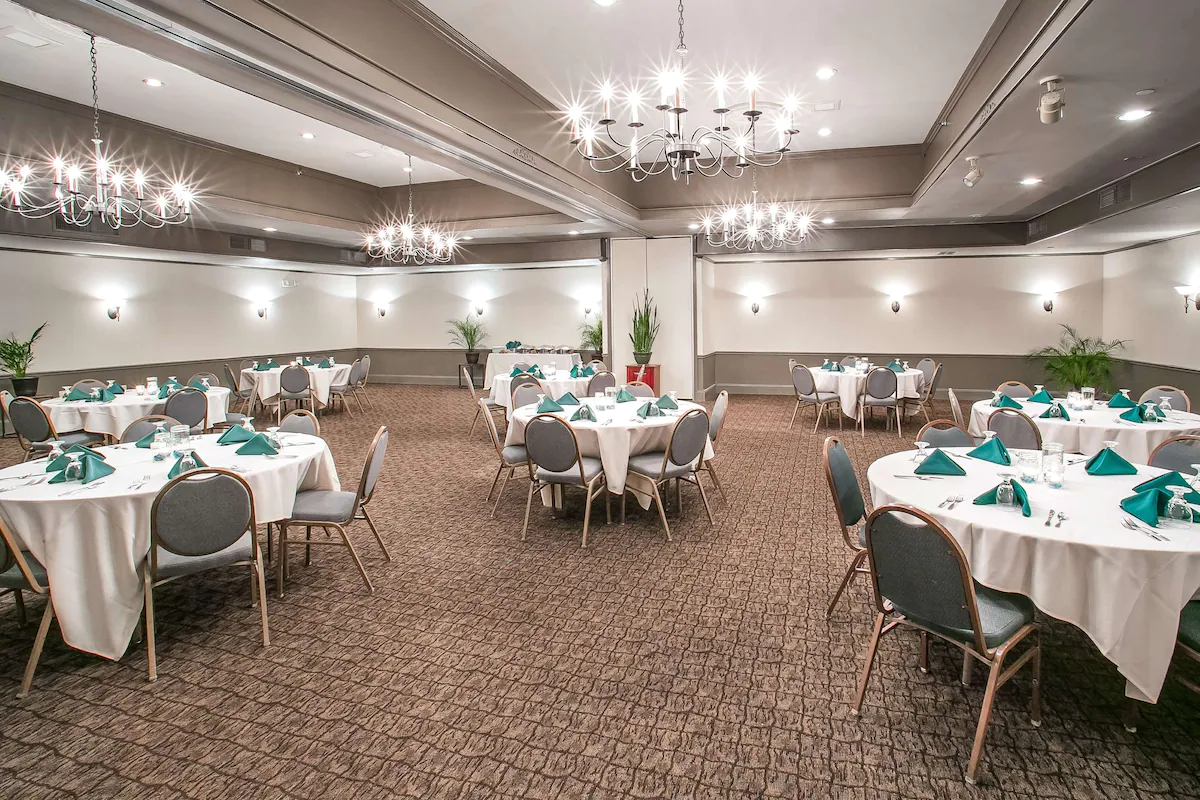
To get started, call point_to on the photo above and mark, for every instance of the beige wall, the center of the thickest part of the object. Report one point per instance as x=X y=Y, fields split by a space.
x=1141 y=304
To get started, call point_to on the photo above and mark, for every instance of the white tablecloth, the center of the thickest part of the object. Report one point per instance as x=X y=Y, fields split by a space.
x=93 y=543
x=266 y=383
x=555 y=387
x=1122 y=588
x=502 y=363
x=849 y=385
x=613 y=442
x=1088 y=430
x=113 y=418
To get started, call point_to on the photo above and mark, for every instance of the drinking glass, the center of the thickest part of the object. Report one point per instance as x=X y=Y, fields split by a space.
x=541 y=398
x=179 y=435
x=826 y=364
x=160 y=445
x=904 y=365
x=273 y=437
x=1111 y=445
x=610 y=392
x=674 y=395
x=922 y=452
x=173 y=378
x=1037 y=387
x=1178 y=512
x=1006 y=497
x=332 y=361
x=1164 y=403
x=96 y=394
x=996 y=397
x=1027 y=466
x=1089 y=397
x=187 y=461
x=140 y=389
x=65 y=391
x=1152 y=412
x=1074 y=400
x=1126 y=393
x=56 y=450
x=74 y=470
x=1053 y=464
x=988 y=435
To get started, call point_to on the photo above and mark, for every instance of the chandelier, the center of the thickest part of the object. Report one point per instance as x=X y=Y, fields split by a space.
x=406 y=242
x=756 y=226
x=724 y=148
x=102 y=190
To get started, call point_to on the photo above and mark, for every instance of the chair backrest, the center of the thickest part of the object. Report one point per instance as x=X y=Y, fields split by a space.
x=551 y=444
x=247 y=363
x=466 y=373
x=927 y=366
x=688 y=437
x=717 y=420
x=213 y=380
x=356 y=373
x=6 y=397
x=640 y=389
x=921 y=570
x=848 y=361
x=932 y=383
x=373 y=466
x=30 y=420
x=1179 y=399
x=944 y=433
x=1014 y=389
x=1178 y=453
x=843 y=485
x=189 y=406
x=521 y=380
x=597 y=365
x=148 y=424
x=87 y=384
x=803 y=381
x=10 y=554
x=234 y=383
x=201 y=512
x=490 y=422
x=366 y=369
x=601 y=381
x=300 y=420
x=524 y=366
x=294 y=379
x=1015 y=429
x=881 y=383
x=526 y=393
x=956 y=408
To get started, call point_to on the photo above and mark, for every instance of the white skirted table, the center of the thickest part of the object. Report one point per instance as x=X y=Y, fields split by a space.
x=1123 y=588
x=112 y=418
x=266 y=382
x=502 y=363
x=849 y=386
x=554 y=387
x=92 y=538
x=1087 y=431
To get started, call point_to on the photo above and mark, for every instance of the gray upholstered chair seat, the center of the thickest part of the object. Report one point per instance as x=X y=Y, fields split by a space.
x=591 y=468
x=75 y=437
x=340 y=388
x=286 y=395
x=234 y=418
x=514 y=454
x=13 y=578
x=1000 y=616
x=325 y=506
x=879 y=401
x=1189 y=624
x=819 y=397
x=172 y=565
x=650 y=464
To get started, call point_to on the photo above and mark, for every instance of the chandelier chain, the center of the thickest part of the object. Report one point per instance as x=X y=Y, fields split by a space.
x=95 y=91
x=682 y=49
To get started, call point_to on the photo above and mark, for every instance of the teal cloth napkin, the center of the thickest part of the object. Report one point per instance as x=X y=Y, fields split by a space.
x=1006 y=402
x=116 y=388
x=537 y=373
x=61 y=462
x=1170 y=479
x=148 y=439
x=993 y=451
x=324 y=364
x=1133 y=415
x=648 y=409
x=515 y=372
x=568 y=399
x=175 y=470
x=164 y=390
x=106 y=396
x=894 y=366
x=306 y=362
x=93 y=468
x=261 y=367
x=1148 y=505
x=624 y=396
x=513 y=345
x=272 y=364
x=198 y=384
x=833 y=366
x=587 y=372
x=575 y=370
x=548 y=406
x=1119 y=400
x=1056 y=411
x=257 y=445
x=78 y=394
x=1042 y=397
x=584 y=413
x=1109 y=462
x=666 y=402
x=988 y=498
x=938 y=463
x=236 y=435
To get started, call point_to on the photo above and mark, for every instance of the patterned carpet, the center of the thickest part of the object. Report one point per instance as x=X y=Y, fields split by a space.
x=487 y=667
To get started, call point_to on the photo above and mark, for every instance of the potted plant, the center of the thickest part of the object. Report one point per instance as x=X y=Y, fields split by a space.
x=468 y=334
x=1078 y=361
x=593 y=339
x=645 y=329
x=16 y=356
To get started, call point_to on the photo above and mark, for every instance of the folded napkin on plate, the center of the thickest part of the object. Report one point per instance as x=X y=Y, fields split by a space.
x=833 y=366
x=272 y=364
x=587 y=372
x=568 y=399
x=116 y=388
x=1042 y=397
x=624 y=396
x=1148 y=505
x=61 y=462
x=257 y=445
x=1164 y=481
x=1056 y=411
x=175 y=470
x=106 y=396
x=166 y=389
x=324 y=364
x=261 y=366
x=236 y=435
x=648 y=409
x=584 y=414
x=306 y=362
x=1006 y=402
x=988 y=498
x=93 y=468
x=666 y=402
x=575 y=370
x=938 y=463
x=993 y=451
x=537 y=373
x=148 y=439
x=1119 y=400
x=894 y=366
x=78 y=394
x=515 y=372
x=548 y=406
x=1142 y=413
x=1109 y=462
x=198 y=384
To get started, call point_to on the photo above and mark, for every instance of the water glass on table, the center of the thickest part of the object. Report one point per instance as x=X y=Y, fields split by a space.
x=1028 y=467
x=1053 y=464
x=1178 y=512
x=922 y=452
x=1006 y=497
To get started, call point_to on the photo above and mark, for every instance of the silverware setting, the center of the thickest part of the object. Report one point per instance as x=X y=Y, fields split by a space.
x=34 y=480
x=955 y=502
x=91 y=485
x=1049 y=518
x=1140 y=527
x=920 y=477
x=948 y=500
x=139 y=483
x=1061 y=517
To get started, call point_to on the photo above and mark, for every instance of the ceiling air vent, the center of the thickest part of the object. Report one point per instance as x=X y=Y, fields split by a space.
x=353 y=256
x=1038 y=227
x=1116 y=194
x=254 y=245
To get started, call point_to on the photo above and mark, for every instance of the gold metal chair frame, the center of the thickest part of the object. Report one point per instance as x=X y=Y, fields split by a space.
x=1187 y=400
x=693 y=478
x=818 y=405
x=39 y=641
x=1037 y=433
x=956 y=409
x=862 y=405
x=148 y=418
x=1187 y=437
x=279 y=398
x=304 y=412
x=706 y=464
x=494 y=435
x=1026 y=389
x=860 y=554
x=491 y=407
x=593 y=488
x=925 y=401
x=26 y=445
x=941 y=425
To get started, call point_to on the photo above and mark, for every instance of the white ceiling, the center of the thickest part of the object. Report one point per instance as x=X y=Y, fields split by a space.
x=191 y=104
x=897 y=60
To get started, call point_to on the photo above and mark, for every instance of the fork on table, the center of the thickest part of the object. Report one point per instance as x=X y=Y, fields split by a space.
x=1140 y=528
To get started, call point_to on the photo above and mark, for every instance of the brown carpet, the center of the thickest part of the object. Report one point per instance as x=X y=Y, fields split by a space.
x=487 y=667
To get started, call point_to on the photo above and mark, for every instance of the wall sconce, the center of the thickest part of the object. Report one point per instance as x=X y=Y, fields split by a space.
x=896 y=305
x=1191 y=296
x=478 y=307
x=754 y=306
x=114 y=312
x=1048 y=303
x=587 y=310
x=381 y=310
x=262 y=312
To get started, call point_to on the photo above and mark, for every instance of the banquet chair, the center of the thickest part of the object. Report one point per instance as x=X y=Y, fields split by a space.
x=511 y=456
x=190 y=407
x=805 y=386
x=1178 y=453
x=359 y=387
x=492 y=407
x=920 y=574
x=246 y=395
x=319 y=508
x=555 y=460
x=146 y=425
x=851 y=510
x=341 y=391
x=6 y=397
x=1179 y=399
x=247 y=363
x=88 y=384
x=300 y=420
x=20 y=572
x=597 y=365
x=880 y=390
x=36 y=432
x=640 y=389
x=601 y=381
x=925 y=401
x=523 y=366
x=295 y=384
x=526 y=393
x=848 y=361
x=944 y=433
x=213 y=380
x=1015 y=429
x=521 y=379
x=927 y=366
x=680 y=461
x=715 y=423
x=956 y=409
x=203 y=519
x=1015 y=390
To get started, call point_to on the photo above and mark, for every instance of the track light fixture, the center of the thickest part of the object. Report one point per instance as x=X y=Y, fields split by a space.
x=973 y=177
x=1050 y=105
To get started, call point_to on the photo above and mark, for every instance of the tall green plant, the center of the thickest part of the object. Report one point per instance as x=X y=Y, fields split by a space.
x=17 y=355
x=1078 y=361
x=645 y=324
x=593 y=335
x=466 y=333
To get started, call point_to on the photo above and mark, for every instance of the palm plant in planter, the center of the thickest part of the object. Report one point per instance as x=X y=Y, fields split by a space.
x=1078 y=361
x=593 y=338
x=468 y=334
x=16 y=355
x=645 y=328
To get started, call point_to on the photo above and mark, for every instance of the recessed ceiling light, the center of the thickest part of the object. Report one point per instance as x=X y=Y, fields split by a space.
x=1134 y=115
x=153 y=83
x=824 y=132
x=828 y=221
x=270 y=230
x=307 y=135
x=825 y=73
x=1144 y=92
x=1030 y=181
x=364 y=154
x=465 y=238
x=572 y=233
x=694 y=226
x=605 y=2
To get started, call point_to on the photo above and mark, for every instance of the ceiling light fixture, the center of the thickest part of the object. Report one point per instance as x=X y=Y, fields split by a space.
x=465 y=238
x=828 y=221
x=1030 y=181
x=572 y=233
x=307 y=135
x=824 y=132
x=756 y=226
x=975 y=175
x=365 y=154
x=825 y=73
x=107 y=198
x=1052 y=101
x=270 y=230
x=406 y=242
x=695 y=226
x=605 y=3
x=153 y=83
x=1134 y=115
x=705 y=150
x=1144 y=92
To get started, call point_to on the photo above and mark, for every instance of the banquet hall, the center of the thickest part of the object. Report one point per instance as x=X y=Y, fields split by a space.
x=599 y=398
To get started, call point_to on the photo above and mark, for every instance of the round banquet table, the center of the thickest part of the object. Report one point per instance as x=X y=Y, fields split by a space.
x=1123 y=588
x=266 y=382
x=555 y=387
x=502 y=363
x=613 y=438
x=114 y=417
x=849 y=385
x=92 y=538
x=1087 y=431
